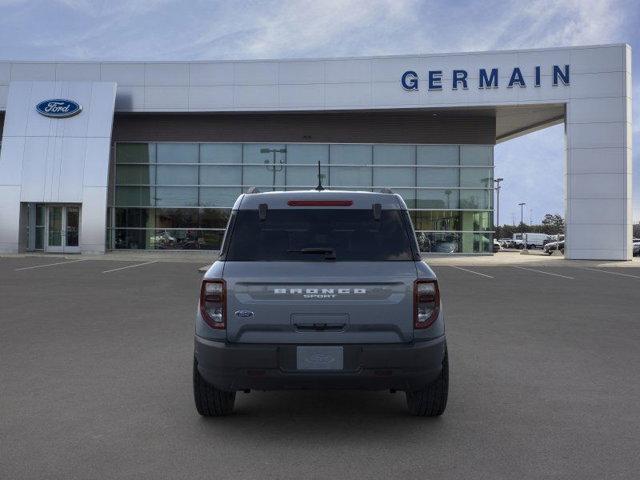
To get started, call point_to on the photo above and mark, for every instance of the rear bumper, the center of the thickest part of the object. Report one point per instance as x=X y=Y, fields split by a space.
x=273 y=367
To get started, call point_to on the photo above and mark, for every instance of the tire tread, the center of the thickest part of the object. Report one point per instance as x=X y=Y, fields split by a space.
x=432 y=401
x=210 y=401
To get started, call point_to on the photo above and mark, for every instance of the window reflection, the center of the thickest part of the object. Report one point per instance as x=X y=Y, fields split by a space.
x=178 y=195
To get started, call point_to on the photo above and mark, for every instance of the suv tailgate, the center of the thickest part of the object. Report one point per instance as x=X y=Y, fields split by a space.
x=320 y=302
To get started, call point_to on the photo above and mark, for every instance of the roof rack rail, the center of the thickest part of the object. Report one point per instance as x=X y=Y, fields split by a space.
x=386 y=190
x=251 y=190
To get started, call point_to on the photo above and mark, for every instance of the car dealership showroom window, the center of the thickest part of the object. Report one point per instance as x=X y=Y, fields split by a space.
x=179 y=195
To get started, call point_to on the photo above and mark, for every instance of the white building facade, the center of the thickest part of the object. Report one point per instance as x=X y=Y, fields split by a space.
x=107 y=155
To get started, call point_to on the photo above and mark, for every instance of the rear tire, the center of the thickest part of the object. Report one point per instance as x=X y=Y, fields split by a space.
x=210 y=402
x=432 y=401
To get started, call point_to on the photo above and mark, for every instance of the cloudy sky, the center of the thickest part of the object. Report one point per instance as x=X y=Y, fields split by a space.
x=206 y=30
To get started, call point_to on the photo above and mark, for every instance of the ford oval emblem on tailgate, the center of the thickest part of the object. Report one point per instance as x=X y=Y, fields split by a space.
x=244 y=313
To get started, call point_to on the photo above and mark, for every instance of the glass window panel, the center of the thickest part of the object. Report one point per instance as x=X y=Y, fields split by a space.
x=185 y=239
x=476 y=177
x=438 y=177
x=135 y=196
x=350 y=176
x=477 y=221
x=394 y=177
x=220 y=175
x=219 y=196
x=476 y=155
x=441 y=199
x=177 y=175
x=351 y=154
x=477 y=242
x=265 y=174
x=438 y=155
x=309 y=154
x=176 y=196
x=134 y=217
x=476 y=199
x=177 y=152
x=306 y=177
x=132 y=239
x=253 y=153
x=135 y=153
x=221 y=153
x=135 y=174
x=176 y=217
x=408 y=195
x=214 y=217
x=433 y=242
x=394 y=154
x=436 y=220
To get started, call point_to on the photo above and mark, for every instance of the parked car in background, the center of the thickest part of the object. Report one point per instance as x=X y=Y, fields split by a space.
x=506 y=243
x=636 y=247
x=496 y=246
x=550 y=247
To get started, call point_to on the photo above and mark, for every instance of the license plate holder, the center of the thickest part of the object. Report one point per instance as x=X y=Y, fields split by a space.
x=319 y=358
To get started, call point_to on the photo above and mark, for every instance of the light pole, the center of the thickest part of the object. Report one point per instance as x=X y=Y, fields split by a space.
x=524 y=240
x=498 y=187
x=522 y=213
x=273 y=165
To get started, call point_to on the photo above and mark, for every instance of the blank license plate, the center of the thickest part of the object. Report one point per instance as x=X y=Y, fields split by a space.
x=319 y=358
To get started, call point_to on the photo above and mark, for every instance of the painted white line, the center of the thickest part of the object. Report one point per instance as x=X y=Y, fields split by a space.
x=50 y=265
x=129 y=266
x=610 y=273
x=471 y=271
x=544 y=273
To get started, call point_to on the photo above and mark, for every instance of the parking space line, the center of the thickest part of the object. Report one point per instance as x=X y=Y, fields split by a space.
x=471 y=271
x=610 y=273
x=49 y=265
x=544 y=273
x=130 y=266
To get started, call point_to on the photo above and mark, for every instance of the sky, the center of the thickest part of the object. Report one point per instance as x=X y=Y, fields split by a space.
x=532 y=165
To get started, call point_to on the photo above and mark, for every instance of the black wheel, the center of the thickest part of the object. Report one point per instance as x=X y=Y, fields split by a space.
x=432 y=401
x=210 y=402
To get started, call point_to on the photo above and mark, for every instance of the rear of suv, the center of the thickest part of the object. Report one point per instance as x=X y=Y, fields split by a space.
x=320 y=290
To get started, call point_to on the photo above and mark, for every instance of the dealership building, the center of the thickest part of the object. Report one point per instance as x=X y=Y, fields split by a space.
x=100 y=156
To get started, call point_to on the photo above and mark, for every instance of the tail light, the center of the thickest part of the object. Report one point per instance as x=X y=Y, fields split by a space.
x=426 y=303
x=213 y=300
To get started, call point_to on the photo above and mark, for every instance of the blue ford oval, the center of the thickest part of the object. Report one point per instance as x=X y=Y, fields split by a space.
x=58 y=108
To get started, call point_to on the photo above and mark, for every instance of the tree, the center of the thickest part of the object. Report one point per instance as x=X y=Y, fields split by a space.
x=553 y=220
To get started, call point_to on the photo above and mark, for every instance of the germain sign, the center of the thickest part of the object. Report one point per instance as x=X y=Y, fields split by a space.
x=58 y=108
x=487 y=78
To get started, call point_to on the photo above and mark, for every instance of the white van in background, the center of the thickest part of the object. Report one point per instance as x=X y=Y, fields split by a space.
x=532 y=240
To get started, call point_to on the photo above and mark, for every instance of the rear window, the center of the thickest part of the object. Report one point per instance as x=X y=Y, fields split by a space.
x=320 y=235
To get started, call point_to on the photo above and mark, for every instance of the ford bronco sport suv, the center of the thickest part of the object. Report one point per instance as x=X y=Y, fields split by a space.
x=315 y=290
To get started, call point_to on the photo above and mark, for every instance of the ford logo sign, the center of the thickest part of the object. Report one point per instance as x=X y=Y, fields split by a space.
x=58 y=108
x=244 y=313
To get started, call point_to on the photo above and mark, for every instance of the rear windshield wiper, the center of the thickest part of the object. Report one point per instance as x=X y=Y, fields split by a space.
x=329 y=253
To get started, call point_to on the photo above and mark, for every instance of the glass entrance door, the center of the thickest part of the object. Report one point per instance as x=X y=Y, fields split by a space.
x=62 y=229
x=72 y=229
x=54 y=230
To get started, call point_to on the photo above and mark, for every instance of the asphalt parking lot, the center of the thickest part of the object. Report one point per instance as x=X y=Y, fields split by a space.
x=95 y=374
